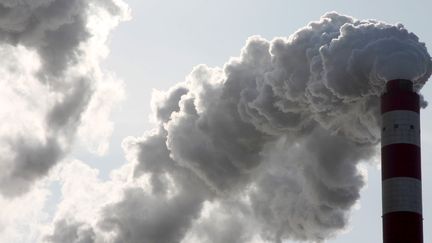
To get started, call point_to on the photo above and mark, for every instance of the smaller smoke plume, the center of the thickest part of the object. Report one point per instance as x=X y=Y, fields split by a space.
x=267 y=148
x=50 y=78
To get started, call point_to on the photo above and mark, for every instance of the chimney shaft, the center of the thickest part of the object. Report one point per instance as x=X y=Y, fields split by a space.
x=401 y=163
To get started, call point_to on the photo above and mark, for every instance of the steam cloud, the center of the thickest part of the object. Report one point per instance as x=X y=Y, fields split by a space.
x=51 y=82
x=264 y=149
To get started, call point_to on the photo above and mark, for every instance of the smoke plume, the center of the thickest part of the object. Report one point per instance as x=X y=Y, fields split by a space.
x=265 y=149
x=51 y=82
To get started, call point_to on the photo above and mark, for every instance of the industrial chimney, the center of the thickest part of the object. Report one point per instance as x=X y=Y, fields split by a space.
x=401 y=163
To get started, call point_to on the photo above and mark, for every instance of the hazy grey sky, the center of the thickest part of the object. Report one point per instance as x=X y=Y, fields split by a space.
x=82 y=191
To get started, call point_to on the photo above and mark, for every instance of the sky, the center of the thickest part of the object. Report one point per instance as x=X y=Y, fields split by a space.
x=90 y=186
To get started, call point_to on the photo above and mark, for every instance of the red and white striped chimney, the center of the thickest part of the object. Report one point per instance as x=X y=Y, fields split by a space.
x=401 y=164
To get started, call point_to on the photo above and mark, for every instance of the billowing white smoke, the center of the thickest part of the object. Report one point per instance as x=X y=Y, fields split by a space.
x=265 y=149
x=51 y=83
